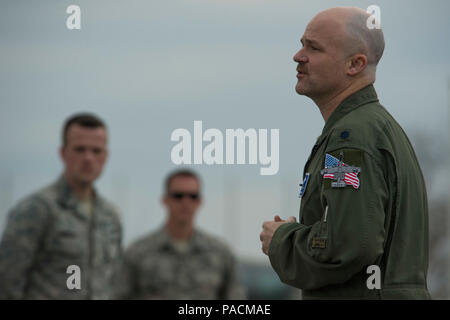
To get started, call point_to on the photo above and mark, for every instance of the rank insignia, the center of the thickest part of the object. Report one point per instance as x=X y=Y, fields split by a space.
x=303 y=185
x=341 y=173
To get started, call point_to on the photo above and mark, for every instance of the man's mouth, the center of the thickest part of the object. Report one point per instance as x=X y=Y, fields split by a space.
x=300 y=73
x=87 y=170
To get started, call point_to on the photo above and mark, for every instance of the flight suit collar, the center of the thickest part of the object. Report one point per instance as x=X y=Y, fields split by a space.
x=352 y=102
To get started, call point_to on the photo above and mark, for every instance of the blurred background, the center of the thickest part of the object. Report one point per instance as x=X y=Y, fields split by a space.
x=150 y=67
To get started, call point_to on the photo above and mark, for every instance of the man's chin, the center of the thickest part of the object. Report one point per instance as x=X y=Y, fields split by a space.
x=300 y=87
x=87 y=179
x=301 y=91
x=184 y=221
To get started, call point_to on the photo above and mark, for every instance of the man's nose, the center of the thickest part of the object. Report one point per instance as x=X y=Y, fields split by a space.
x=299 y=57
x=186 y=201
x=89 y=155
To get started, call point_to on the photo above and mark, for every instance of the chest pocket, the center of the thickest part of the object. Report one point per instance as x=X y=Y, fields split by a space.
x=68 y=238
x=311 y=207
x=107 y=241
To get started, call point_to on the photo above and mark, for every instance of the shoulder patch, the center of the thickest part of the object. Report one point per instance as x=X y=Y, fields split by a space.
x=341 y=168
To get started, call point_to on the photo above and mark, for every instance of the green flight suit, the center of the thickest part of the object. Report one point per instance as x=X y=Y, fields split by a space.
x=379 y=216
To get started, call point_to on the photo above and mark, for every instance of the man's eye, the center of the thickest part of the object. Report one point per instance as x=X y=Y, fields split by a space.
x=80 y=149
x=97 y=150
x=314 y=48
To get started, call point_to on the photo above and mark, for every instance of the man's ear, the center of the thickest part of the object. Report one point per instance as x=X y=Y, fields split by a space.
x=356 y=64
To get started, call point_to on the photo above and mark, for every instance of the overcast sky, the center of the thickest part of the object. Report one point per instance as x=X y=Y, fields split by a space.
x=150 y=67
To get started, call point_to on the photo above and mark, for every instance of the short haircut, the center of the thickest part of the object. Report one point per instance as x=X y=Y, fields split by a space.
x=363 y=39
x=181 y=173
x=86 y=120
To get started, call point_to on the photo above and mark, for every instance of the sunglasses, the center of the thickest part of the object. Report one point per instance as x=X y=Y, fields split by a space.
x=181 y=195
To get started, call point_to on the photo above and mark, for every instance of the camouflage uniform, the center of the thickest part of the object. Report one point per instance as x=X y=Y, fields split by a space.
x=155 y=269
x=46 y=233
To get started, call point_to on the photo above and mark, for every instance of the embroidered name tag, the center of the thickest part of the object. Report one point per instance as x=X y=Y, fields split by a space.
x=320 y=243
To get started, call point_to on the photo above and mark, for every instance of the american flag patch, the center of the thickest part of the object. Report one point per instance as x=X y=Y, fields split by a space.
x=350 y=178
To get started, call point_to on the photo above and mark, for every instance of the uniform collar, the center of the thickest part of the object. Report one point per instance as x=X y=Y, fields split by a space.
x=352 y=102
x=164 y=242
x=67 y=198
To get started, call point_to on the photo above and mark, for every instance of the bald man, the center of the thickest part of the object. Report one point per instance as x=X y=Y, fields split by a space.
x=363 y=227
